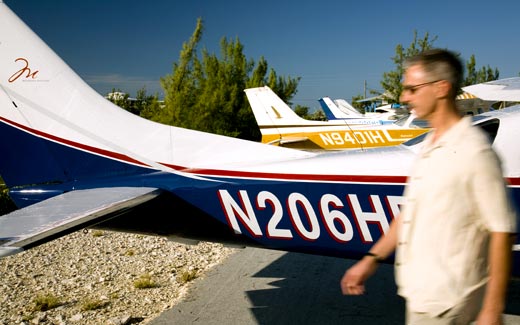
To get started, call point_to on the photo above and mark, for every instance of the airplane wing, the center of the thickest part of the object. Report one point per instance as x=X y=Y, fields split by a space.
x=65 y=213
x=507 y=90
x=285 y=140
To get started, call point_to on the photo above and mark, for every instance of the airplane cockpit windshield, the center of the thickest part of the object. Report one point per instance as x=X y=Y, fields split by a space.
x=489 y=126
x=416 y=140
x=411 y=121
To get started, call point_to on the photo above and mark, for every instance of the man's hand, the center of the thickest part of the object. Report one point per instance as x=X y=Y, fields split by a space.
x=353 y=282
x=489 y=318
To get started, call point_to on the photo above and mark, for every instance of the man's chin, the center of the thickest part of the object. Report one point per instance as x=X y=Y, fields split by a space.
x=414 y=112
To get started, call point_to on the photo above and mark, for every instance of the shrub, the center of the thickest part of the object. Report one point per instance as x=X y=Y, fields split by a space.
x=93 y=304
x=6 y=204
x=144 y=282
x=45 y=302
x=187 y=276
x=97 y=233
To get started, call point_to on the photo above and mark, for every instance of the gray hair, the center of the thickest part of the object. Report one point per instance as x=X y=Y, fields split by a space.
x=440 y=65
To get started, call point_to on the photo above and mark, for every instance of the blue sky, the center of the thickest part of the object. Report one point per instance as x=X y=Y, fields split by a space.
x=334 y=46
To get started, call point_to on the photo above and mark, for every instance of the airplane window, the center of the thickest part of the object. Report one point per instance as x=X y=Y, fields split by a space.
x=420 y=123
x=402 y=120
x=416 y=140
x=414 y=123
x=491 y=128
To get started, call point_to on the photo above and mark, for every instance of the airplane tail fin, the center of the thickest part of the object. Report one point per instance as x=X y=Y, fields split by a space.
x=270 y=110
x=25 y=65
x=45 y=110
x=345 y=106
x=324 y=103
x=334 y=112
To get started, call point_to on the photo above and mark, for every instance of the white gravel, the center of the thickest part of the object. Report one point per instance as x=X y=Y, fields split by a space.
x=95 y=268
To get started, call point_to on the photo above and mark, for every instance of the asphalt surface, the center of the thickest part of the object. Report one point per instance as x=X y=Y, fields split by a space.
x=260 y=286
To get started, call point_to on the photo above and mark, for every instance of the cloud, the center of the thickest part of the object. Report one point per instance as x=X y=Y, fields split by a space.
x=104 y=84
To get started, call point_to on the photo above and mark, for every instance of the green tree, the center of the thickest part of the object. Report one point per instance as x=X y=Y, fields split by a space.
x=147 y=106
x=219 y=103
x=144 y=105
x=207 y=94
x=391 y=82
x=120 y=98
x=303 y=112
x=285 y=88
x=318 y=115
x=357 y=105
x=152 y=107
x=474 y=76
x=179 y=87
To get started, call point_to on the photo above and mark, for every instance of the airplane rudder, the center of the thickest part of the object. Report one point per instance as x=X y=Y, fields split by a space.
x=326 y=109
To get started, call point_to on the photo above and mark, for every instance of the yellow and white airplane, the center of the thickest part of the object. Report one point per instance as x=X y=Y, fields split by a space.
x=281 y=126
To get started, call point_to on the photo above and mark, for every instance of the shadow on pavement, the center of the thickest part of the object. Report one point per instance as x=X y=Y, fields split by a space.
x=307 y=292
x=260 y=286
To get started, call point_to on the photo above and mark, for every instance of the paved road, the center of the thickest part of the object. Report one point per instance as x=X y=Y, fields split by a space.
x=259 y=286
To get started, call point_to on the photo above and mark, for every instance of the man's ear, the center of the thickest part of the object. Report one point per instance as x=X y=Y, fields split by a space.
x=443 y=88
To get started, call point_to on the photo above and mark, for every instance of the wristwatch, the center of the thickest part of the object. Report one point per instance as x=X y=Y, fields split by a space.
x=376 y=257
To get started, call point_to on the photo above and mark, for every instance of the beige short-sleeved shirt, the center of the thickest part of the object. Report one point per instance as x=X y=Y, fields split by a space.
x=455 y=197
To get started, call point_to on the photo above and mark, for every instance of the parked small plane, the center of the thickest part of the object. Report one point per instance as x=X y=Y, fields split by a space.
x=405 y=121
x=340 y=109
x=280 y=125
x=71 y=159
x=503 y=90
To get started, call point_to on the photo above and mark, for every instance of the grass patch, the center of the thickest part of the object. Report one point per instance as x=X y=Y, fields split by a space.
x=97 y=233
x=187 y=276
x=46 y=302
x=93 y=304
x=145 y=281
x=6 y=204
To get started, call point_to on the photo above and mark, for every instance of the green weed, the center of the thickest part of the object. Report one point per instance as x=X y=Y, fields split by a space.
x=45 y=302
x=145 y=281
x=93 y=304
x=187 y=276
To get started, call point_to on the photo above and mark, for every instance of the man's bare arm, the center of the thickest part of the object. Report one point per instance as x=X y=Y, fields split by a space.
x=353 y=282
x=500 y=259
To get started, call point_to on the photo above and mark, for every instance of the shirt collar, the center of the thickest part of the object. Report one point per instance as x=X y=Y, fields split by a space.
x=451 y=136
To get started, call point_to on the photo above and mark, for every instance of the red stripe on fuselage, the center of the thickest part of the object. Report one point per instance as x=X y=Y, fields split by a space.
x=231 y=173
x=296 y=177
x=76 y=145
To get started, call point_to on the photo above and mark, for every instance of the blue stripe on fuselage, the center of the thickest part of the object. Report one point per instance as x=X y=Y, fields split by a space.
x=29 y=160
x=324 y=218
